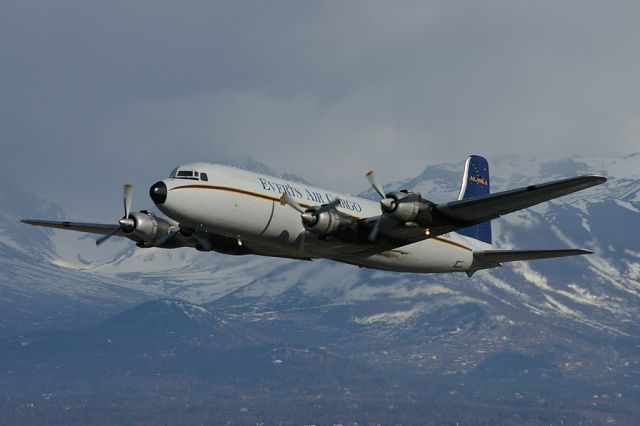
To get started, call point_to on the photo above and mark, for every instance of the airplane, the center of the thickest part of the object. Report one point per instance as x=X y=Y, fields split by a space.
x=213 y=207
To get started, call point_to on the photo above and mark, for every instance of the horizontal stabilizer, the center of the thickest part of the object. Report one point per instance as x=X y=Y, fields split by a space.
x=93 y=228
x=495 y=258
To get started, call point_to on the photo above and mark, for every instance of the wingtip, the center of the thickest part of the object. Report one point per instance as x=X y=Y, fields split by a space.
x=598 y=179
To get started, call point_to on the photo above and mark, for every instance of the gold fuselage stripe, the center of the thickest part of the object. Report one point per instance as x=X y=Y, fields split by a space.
x=453 y=243
x=271 y=198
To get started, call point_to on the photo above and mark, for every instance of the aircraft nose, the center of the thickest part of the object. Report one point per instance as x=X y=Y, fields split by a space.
x=158 y=192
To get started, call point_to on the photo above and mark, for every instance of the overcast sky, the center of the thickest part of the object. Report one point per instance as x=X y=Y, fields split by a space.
x=95 y=94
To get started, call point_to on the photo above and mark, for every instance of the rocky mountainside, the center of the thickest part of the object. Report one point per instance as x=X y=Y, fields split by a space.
x=54 y=278
x=37 y=289
x=170 y=336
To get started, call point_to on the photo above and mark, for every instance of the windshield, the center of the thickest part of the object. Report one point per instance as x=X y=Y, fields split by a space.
x=188 y=174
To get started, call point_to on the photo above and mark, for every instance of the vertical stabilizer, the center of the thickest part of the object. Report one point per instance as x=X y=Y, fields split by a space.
x=476 y=183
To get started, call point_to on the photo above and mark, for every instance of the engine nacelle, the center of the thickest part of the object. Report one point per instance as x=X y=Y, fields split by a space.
x=148 y=228
x=324 y=222
x=402 y=206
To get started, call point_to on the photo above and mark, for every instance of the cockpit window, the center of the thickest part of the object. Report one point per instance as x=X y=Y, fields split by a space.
x=189 y=174
x=185 y=174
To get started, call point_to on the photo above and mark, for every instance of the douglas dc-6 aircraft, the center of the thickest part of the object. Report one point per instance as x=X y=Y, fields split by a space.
x=232 y=211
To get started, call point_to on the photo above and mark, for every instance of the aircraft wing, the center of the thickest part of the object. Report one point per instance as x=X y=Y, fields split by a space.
x=93 y=228
x=459 y=214
x=471 y=211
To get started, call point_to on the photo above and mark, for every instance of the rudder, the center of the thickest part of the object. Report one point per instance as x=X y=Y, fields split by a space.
x=476 y=183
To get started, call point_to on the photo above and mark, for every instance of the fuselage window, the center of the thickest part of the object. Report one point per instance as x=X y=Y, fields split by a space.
x=196 y=174
x=204 y=177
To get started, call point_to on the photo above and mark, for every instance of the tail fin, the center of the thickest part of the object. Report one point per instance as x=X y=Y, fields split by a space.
x=475 y=183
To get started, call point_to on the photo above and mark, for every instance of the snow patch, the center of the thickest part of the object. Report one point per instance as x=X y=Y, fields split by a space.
x=559 y=307
x=633 y=270
x=366 y=292
x=535 y=278
x=10 y=243
x=632 y=253
x=502 y=285
x=390 y=318
x=194 y=312
x=626 y=205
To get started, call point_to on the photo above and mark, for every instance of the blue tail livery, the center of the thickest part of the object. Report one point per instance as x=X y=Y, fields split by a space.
x=476 y=183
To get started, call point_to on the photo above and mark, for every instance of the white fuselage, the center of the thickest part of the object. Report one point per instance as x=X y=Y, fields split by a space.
x=245 y=206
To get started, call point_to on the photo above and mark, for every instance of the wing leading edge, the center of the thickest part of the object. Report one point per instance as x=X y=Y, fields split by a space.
x=92 y=228
x=480 y=209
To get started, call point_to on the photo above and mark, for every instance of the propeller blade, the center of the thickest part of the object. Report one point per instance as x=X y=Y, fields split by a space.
x=203 y=241
x=376 y=228
x=172 y=231
x=302 y=237
x=375 y=183
x=127 y=199
x=335 y=203
x=332 y=205
x=126 y=224
x=286 y=199
x=106 y=237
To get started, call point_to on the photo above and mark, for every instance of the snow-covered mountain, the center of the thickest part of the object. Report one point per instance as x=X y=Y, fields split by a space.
x=37 y=288
x=520 y=305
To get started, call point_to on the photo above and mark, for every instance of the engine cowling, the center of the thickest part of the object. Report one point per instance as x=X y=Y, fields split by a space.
x=148 y=228
x=406 y=206
x=325 y=221
x=402 y=206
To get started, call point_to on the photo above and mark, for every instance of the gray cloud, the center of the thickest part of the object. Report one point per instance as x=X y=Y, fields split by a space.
x=93 y=94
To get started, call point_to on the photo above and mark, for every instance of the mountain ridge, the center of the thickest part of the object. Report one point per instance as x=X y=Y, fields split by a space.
x=597 y=292
x=248 y=338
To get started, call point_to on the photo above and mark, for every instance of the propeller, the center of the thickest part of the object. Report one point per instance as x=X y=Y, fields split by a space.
x=375 y=183
x=127 y=224
x=288 y=200
x=387 y=203
x=315 y=211
x=173 y=230
x=307 y=217
x=127 y=199
x=302 y=238
x=310 y=215
x=376 y=228
x=391 y=204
